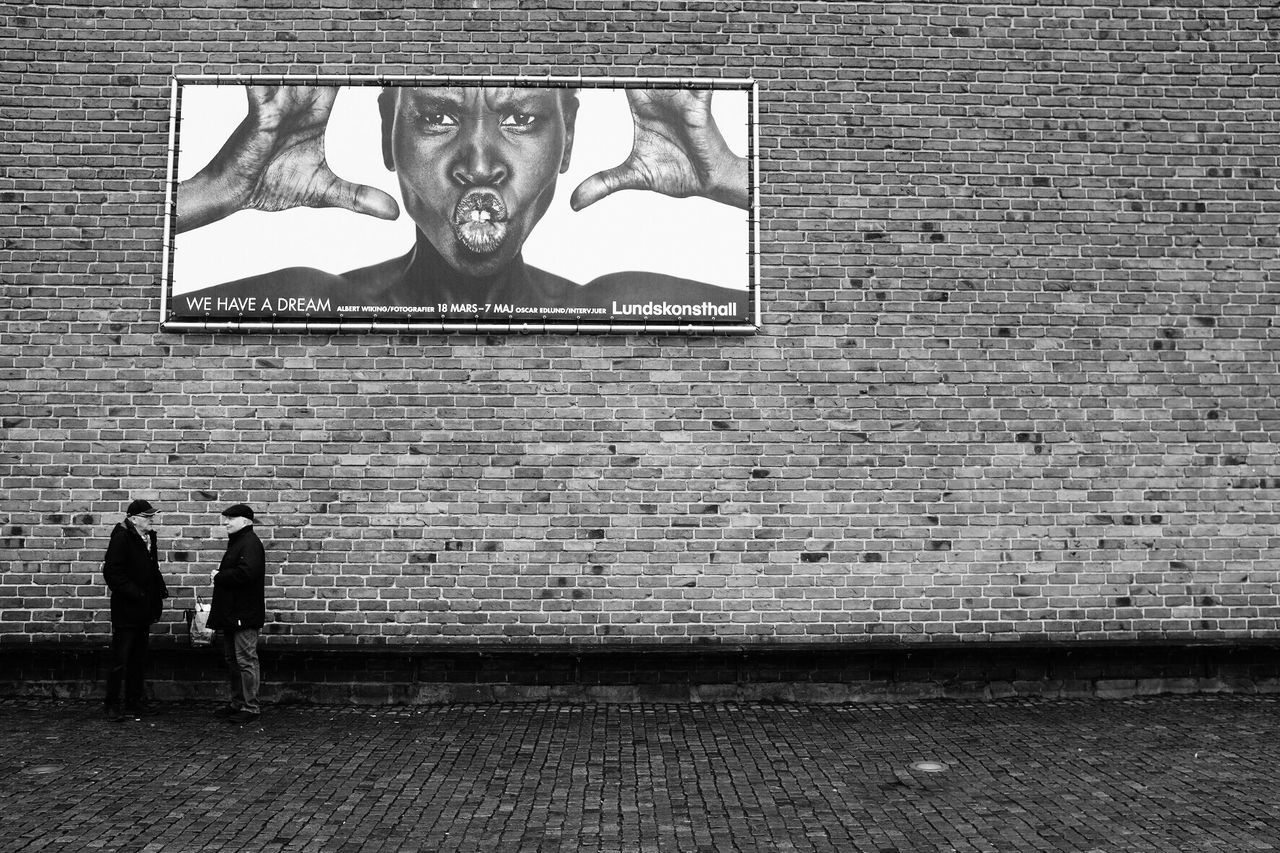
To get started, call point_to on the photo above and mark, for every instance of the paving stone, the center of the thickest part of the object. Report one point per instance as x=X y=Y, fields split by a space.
x=1088 y=776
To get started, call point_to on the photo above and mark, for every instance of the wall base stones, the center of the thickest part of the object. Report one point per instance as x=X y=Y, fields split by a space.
x=426 y=675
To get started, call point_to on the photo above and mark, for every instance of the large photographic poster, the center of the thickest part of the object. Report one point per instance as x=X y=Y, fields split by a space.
x=478 y=203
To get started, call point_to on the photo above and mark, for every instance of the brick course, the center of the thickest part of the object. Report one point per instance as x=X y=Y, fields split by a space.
x=1015 y=378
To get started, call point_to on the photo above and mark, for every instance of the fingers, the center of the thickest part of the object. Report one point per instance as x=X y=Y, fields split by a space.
x=605 y=183
x=281 y=107
x=359 y=198
x=259 y=96
x=374 y=202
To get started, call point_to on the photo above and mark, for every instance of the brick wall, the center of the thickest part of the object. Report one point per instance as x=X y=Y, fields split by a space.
x=1015 y=379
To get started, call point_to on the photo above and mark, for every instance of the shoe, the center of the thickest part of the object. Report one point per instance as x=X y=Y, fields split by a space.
x=141 y=709
x=225 y=710
x=113 y=713
x=241 y=716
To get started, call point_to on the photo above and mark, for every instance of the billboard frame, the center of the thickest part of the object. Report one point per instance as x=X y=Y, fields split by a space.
x=329 y=324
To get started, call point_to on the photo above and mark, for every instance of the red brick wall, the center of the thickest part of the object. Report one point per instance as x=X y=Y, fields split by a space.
x=1016 y=376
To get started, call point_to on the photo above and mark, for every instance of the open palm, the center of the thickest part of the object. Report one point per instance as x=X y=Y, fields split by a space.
x=677 y=150
x=275 y=160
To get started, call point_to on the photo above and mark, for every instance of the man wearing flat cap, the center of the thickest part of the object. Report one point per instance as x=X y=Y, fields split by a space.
x=239 y=610
x=132 y=571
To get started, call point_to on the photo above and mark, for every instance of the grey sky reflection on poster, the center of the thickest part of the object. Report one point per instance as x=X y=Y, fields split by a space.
x=462 y=202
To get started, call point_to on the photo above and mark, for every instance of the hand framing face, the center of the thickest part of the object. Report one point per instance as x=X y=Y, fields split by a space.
x=275 y=160
x=677 y=150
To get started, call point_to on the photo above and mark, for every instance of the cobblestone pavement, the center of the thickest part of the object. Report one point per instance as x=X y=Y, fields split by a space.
x=1161 y=774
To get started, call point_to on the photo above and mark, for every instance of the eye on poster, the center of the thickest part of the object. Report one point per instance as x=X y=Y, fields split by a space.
x=462 y=204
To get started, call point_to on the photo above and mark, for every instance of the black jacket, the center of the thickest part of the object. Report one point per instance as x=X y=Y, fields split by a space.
x=132 y=571
x=239 y=588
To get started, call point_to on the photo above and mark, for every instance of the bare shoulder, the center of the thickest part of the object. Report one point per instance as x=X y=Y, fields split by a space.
x=652 y=285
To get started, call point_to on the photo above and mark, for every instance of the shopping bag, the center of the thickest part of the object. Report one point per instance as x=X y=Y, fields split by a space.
x=201 y=633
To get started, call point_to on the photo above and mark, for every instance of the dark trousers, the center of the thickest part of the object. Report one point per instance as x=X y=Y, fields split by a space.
x=128 y=664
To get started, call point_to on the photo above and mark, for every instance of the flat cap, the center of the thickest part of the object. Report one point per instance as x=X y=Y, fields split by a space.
x=140 y=507
x=239 y=511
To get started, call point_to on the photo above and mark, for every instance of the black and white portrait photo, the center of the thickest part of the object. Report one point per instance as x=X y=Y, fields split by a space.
x=489 y=200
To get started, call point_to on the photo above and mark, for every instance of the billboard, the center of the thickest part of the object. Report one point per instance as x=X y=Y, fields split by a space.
x=461 y=204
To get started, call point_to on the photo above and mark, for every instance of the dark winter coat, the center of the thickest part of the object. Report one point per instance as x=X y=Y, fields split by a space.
x=132 y=572
x=239 y=588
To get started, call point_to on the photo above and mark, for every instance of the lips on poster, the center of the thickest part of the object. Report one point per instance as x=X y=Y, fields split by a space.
x=444 y=201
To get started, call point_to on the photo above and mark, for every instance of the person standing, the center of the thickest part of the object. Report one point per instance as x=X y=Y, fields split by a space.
x=239 y=611
x=131 y=568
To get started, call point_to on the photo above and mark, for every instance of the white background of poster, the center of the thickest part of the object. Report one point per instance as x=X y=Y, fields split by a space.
x=631 y=230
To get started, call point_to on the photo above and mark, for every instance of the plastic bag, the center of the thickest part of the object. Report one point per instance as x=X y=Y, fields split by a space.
x=201 y=633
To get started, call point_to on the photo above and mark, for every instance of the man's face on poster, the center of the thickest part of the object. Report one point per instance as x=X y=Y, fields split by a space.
x=477 y=166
